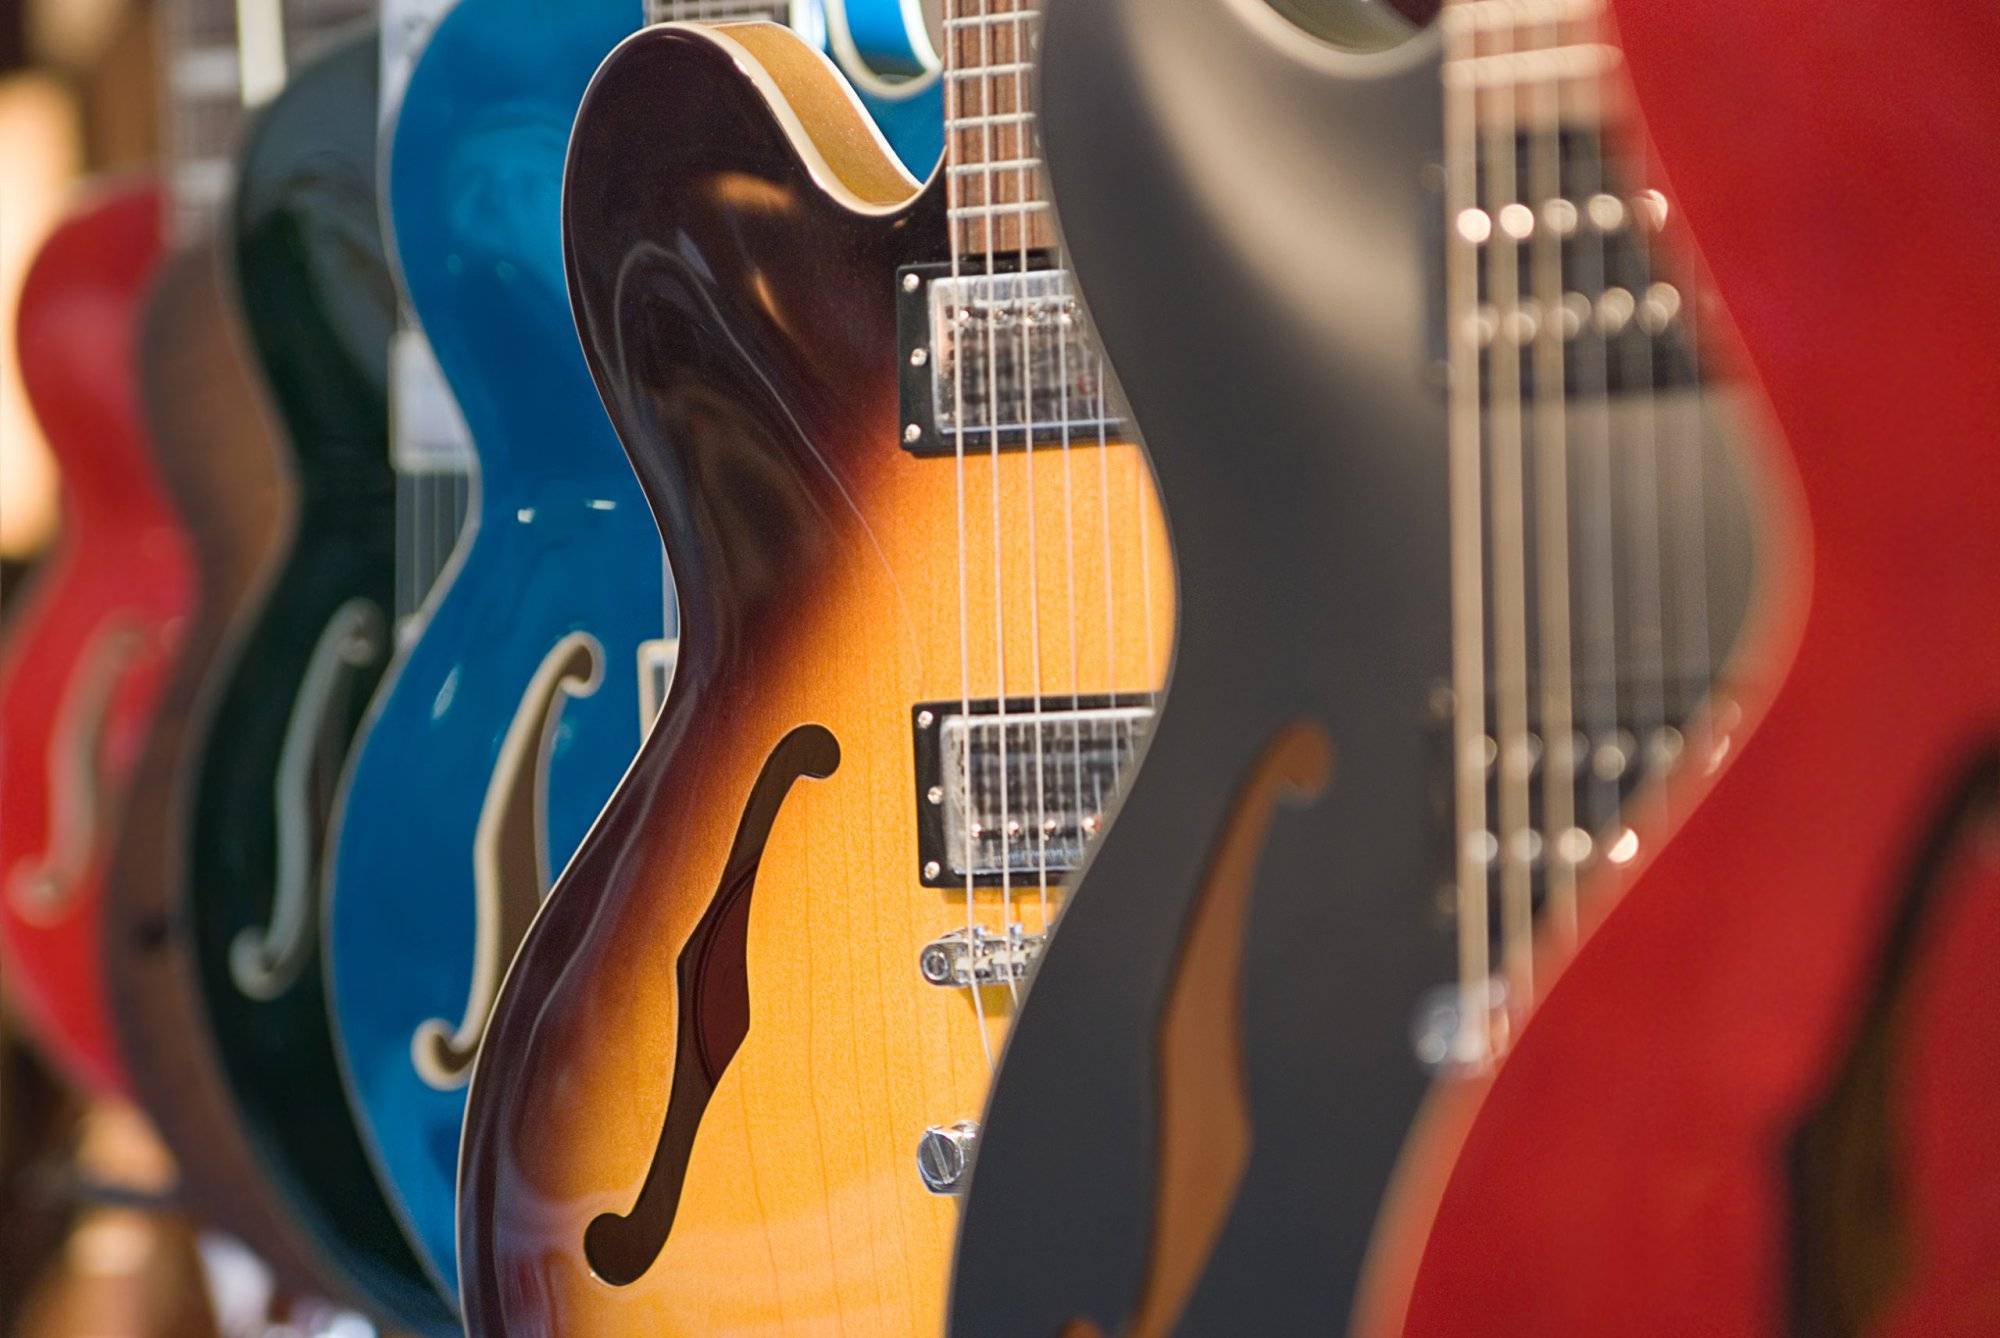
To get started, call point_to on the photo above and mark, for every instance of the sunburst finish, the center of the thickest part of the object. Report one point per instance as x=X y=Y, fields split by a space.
x=734 y=281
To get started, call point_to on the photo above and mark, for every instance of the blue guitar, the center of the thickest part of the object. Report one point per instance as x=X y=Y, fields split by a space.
x=504 y=728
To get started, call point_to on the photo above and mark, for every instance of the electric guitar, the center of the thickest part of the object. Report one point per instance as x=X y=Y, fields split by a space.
x=300 y=561
x=498 y=736
x=732 y=1081
x=85 y=654
x=533 y=674
x=1686 y=1070
x=209 y=425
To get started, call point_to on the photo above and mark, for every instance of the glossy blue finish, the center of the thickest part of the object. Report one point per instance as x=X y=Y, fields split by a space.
x=888 y=34
x=562 y=541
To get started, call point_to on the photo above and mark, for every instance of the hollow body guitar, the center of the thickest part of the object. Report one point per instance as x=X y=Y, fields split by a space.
x=1725 y=1112
x=528 y=668
x=296 y=638
x=497 y=738
x=89 y=647
x=747 y=1003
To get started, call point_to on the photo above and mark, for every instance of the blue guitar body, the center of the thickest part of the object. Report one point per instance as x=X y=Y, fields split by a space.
x=502 y=731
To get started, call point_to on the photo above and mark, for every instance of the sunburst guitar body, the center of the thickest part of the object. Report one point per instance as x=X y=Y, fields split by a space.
x=735 y=1072
x=86 y=652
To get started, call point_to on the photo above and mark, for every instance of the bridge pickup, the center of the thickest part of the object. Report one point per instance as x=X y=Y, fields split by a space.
x=999 y=357
x=1009 y=797
x=1625 y=326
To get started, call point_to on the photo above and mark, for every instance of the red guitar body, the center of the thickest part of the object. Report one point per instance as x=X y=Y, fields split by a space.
x=85 y=651
x=1764 y=1095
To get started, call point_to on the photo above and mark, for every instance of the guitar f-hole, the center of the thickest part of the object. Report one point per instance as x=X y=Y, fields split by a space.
x=1203 y=1124
x=510 y=857
x=1855 y=1240
x=712 y=979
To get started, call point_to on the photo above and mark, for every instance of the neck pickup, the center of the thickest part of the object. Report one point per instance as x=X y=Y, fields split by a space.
x=998 y=358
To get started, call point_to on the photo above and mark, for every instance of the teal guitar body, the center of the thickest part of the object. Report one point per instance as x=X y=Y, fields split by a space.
x=303 y=238
x=503 y=729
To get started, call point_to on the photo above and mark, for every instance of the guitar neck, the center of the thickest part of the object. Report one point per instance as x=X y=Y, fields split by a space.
x=219 y=56
x=203 y=86
x=991 y=151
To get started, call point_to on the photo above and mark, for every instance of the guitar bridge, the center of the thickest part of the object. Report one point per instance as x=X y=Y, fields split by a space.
x=1012 y=792
x=978 y=956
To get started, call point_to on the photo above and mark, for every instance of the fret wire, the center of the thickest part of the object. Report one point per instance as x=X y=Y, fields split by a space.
x=997 y=165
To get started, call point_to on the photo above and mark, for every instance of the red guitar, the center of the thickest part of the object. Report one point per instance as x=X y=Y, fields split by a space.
x=1760 y=1097
x=85 y=651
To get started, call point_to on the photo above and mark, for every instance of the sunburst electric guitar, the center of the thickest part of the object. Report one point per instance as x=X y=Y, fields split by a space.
x=733 y=1079
x=498 y=737
x=1688 y=1057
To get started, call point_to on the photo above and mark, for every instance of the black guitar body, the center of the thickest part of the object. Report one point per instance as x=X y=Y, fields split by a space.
x=1254 y=220
x=318 y=306
x=1299 y=454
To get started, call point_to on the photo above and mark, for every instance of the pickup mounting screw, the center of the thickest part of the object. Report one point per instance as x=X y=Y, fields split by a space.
x=925 y=719
x=911 y=283
x=932 y=868
x=919 y=356
x=913 y=434
x=935 y=794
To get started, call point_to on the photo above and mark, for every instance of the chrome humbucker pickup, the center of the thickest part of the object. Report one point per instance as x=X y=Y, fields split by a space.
x=998 y=359
x=978 y=956
x=1017 y=794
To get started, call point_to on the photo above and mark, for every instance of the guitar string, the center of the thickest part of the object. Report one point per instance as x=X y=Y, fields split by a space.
x=1017 y=56
x=991 y=217
x=1559 y=753
x=1604 y=755
x=1639 y=447
x=957 y=79
x=1063 y=323
x=1120 y=739
x=1467 y=547
x=1507 y=522
x=1701 y=669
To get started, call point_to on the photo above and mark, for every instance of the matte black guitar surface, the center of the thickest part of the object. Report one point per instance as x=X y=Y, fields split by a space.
x=1305 y=487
